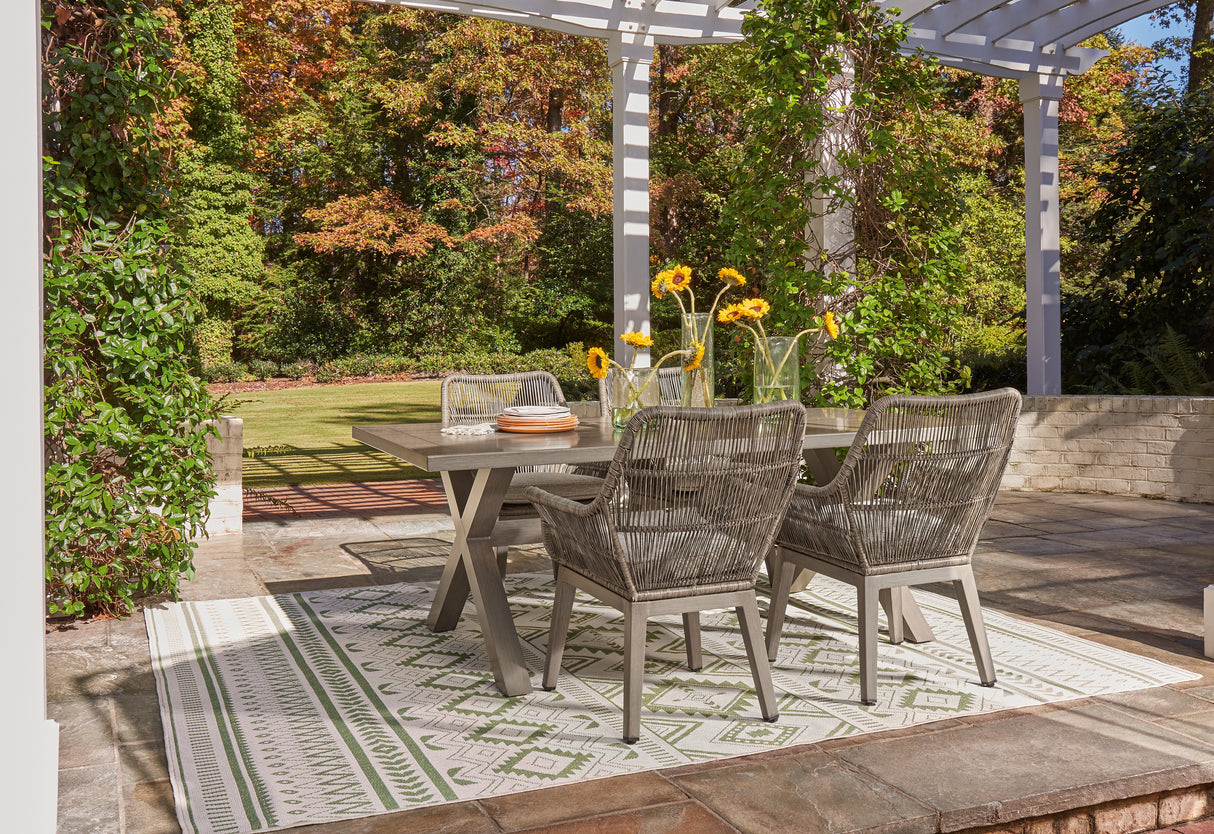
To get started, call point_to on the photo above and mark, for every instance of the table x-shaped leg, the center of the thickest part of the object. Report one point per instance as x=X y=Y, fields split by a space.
x=475 y=498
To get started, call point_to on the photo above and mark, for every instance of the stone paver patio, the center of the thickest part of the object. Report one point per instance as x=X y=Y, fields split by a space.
x=1127 y=572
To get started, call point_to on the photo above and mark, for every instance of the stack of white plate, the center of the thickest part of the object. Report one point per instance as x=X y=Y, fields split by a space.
x=536 y=418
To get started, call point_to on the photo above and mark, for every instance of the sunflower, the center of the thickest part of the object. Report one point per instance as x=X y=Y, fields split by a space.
x=637 y=339
x=730 y=314
x=680 y=278
x=694 y=364
x=754 y=308
x=832 y=326
x=731 y=277
x=661 y=282
x=596 y=361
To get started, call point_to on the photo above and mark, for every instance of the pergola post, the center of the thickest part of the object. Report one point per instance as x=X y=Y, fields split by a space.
x=29 y=785
x=1040 y=95
x=630 y=56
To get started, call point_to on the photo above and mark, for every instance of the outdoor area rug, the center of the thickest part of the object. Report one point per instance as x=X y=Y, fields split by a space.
x=306 y=708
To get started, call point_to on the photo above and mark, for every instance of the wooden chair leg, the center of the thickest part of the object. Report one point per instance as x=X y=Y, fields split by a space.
x=691 y=636
x=502 y=552
x=760 y=670
x=781 y=581
x=634 y=672
x=971 y=610
x=558 y=631
x=867 y=605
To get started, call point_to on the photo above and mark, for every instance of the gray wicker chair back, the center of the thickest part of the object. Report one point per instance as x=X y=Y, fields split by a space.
x=479 y=398
x=691 y=501
x=916 y=487
x=467 y=399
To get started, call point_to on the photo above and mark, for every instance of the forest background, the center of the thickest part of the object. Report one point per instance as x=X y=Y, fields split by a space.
x=354 y=182
x=320 y=188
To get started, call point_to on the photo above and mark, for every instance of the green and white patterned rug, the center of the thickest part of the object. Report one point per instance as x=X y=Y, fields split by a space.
x=306 y=708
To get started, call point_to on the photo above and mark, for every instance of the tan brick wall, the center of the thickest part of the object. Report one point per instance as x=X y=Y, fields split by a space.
x=225 y=452
x=1158 y=447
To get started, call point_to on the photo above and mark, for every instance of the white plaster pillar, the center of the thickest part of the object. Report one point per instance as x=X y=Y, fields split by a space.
x=630 y=56
x=1040 y=95
x=29 y=743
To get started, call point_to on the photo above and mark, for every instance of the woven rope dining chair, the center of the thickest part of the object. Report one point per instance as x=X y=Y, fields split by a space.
x=688 y=510
x=468 y=399
x=906 y=508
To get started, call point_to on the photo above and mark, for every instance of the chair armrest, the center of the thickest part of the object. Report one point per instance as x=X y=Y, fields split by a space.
x=558 y=504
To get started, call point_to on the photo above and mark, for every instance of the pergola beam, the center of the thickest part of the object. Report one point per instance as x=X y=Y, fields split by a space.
x=668 y=21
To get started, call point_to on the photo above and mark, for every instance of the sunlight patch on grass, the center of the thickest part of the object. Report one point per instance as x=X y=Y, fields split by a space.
x=312 y=426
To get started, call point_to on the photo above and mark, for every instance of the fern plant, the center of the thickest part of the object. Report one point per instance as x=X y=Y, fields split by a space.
x=1169 y=367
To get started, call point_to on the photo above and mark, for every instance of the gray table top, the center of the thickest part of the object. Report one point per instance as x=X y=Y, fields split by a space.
x=425 y=446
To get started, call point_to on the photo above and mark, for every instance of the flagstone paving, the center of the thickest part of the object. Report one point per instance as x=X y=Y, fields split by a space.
x=1121 y=571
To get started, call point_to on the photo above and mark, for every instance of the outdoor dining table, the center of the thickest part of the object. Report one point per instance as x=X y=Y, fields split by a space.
x=476 y=471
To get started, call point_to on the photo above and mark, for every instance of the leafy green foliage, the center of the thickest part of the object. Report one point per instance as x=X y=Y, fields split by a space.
x=127 y=478
x=1156 y=220
x=216 y=241
x=105 y=72
x=896 y=284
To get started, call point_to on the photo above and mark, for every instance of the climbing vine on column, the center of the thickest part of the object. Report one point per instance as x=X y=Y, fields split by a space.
x=835 y=120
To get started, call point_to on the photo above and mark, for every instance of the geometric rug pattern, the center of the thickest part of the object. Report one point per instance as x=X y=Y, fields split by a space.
x=328 y=705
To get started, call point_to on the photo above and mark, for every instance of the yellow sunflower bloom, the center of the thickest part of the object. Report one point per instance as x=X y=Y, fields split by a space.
x=730 y=314
x=732 y=277
x=754 y=308
x=596 y=361
x=637 y=339
x=661 y=282
x=832 y=327
x=698 y=358
x=680 y=278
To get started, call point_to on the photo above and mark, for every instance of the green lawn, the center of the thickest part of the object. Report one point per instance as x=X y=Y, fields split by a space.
x=313 y=425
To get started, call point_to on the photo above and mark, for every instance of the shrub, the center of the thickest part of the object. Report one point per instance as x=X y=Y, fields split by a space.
x=296 y=370
x=213 y=338
x=391 y=364
x=263 y=369
x=228 y=372
x=127 y=479
x=355 y=365
x=328 y=372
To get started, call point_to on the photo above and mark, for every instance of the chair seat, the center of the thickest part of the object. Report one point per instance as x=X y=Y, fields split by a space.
x=565 y=484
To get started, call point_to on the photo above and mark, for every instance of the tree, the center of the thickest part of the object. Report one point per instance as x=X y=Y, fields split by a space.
x=214 y=187
x=1156 y=221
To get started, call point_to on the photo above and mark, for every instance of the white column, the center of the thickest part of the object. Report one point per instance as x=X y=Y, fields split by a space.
x=1043 y=274
x=630 y=56
x=29 y=743
x=834 y=231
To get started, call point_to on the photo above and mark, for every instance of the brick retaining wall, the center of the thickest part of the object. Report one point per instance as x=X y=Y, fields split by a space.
x=1157 y=447
x=225 y=452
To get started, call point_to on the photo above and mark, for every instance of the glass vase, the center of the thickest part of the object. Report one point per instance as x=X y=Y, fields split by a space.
x=777 y=370
x=699 y=384
x=631 y=391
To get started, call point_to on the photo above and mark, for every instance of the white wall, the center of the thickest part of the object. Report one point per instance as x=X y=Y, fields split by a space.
x=29 y=746
x=1158 y=447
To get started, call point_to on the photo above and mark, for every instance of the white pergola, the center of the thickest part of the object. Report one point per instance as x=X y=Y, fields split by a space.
x=1033 y=41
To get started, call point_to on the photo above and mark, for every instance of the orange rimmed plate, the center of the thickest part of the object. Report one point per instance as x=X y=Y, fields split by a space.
x=536 y=426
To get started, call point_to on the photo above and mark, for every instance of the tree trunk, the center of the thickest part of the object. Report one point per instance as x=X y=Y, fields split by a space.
x=1201 y=53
